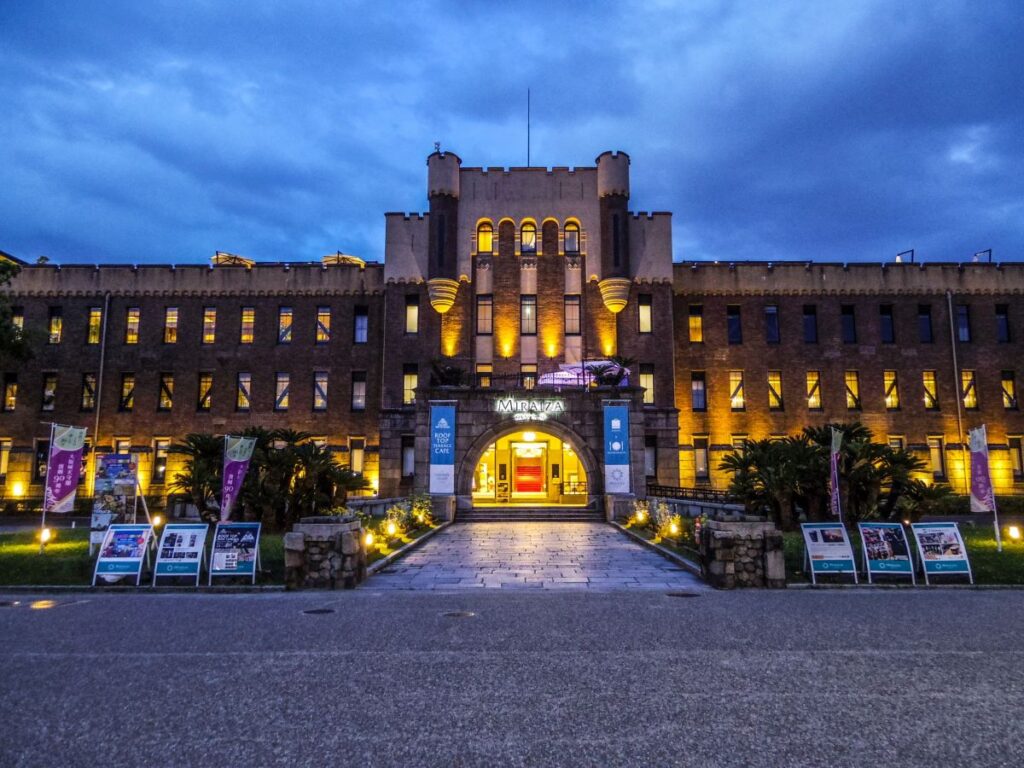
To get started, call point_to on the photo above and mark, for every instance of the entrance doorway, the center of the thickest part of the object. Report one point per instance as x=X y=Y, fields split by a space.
x=529 y=468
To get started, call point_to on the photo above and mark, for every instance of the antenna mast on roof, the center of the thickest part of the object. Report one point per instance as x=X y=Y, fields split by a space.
x=527 y=127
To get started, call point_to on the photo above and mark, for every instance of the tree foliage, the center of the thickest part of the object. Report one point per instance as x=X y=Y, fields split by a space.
x=15 y=343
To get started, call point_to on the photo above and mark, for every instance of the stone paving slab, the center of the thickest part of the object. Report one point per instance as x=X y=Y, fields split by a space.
x=532 y=556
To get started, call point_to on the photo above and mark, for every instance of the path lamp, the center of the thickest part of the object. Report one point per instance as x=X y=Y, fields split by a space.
x=1014 y=532
x=45 y=537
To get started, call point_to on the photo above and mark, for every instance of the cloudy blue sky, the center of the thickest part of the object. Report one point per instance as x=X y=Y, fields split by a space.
x=163 y=131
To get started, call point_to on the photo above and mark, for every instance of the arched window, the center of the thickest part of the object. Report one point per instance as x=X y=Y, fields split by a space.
x=572 y=238
x=485 y=238
x=528 y=238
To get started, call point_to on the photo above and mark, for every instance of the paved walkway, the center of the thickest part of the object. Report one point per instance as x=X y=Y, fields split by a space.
x=580 y=556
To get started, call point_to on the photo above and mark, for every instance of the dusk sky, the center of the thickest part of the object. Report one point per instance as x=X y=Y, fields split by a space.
x=164 y=131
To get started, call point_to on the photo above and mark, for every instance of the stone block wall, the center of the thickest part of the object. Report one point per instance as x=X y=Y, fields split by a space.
x=325 y=553
x=742 y=554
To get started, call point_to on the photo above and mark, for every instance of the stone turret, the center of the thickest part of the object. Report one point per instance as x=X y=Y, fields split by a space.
x=443 y=194
x=613 y=191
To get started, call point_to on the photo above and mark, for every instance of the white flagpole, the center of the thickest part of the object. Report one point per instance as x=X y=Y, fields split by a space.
x=46 y=486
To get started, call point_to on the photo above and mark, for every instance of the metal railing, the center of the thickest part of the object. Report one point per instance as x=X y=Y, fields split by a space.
x=687 y=494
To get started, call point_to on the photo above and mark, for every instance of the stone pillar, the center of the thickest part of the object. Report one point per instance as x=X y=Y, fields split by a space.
x=325 y=553
x=743 y=554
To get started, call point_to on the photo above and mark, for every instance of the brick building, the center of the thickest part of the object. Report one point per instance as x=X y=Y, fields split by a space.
x=520 y=278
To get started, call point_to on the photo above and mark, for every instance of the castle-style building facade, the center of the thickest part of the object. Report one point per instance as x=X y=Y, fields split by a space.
x=503 y=300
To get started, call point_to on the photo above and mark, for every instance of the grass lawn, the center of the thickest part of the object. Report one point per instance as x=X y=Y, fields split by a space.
x=988 y=565
x=680 y=549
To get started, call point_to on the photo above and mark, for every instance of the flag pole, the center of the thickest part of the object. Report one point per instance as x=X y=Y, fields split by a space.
x=49 y=455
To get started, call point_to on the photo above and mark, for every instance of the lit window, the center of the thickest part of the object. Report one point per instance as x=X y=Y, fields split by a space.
x=700 y=458
x=968 y=390
x=95 y=330
x=361 y=326
x=205 y=399
x=643 y=308
x=528 y=238
x=572 y=238
x=528 y=375
x=936 y=457
x=528 y=315
x=1003 y=323
x=359 y=390
x=892 y=390
x=647 y=382
x=88 y=391
x=42 y=458
x=127 y=401
x=814 y=390
x=1009 y=385
x=775 y=390
x=56 y=326
x=810 y=324
x=1016 y=456
x=166 y=398
x=737 y=398
x=963 y=323
x=734 y=324
x=281 y=388
x=10 y=391
x=323 y=325
x=49 y=391
x=483 y=375
x=5 y=455
x=320 y=391
x=896 y=442
x=248 y=327
x=122 y=445
x=485 y=238
x=285 y=317
x=924 y=323
x=18 y=318
x=572 y=315
x=931 y=391
x=696 y=324
x=161 y=448
x=886 y=325
x=848 y=323
x=739 y=442
x=410 y=380
x=243 y=392
x=356 y=453
x=772 y=334
x=852 y=381
x=408 y=455
x=170 y=325
x=131 y=325
x=412 y=314
x=485 y=314
x=209 y=325
x=698 y=391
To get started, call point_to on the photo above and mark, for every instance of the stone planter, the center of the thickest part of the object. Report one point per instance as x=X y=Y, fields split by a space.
x=743 y=554
x=325 y=553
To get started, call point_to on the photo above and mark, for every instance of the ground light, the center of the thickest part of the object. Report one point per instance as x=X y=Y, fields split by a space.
x=46 y=535
x=157 y=521
x=1014 y=532
x=368 y=539
x=673 y=528
x=392 y=528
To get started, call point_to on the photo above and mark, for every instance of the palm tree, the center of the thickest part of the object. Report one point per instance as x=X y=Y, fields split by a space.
x=201 y=479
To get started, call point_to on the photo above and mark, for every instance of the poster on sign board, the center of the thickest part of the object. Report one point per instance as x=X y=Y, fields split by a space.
x=828 y=549
x=181 y=551
x=236 y=550
x=122 y=552
x=442 y=448
x=616 y=448
x=942 y=550
x=886 y=550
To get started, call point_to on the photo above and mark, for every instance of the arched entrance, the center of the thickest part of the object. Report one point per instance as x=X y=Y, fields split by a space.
x=529 y=465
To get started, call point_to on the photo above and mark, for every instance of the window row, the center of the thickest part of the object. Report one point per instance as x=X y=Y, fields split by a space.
x=208 y=334
x=572 y=314
x=811 y=393
x=848 y=325
x=528 y=240
x=204 y=397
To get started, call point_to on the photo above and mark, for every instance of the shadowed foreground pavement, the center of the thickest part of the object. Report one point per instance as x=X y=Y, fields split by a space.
x=533 y=678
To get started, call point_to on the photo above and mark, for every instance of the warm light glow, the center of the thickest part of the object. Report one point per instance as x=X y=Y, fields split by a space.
x=529 y=436
x=1014 y=532
x=18 y=489
x=441 y=291
x=41 y=605
x=392 y=528
x=368 y=538
x=158 y=520
x=640 y=515
x=45 y=535
x=674 y=528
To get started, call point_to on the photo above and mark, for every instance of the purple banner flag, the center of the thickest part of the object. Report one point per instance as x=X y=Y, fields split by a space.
x=63 y=468
x=983 y=498
x=837 y=443
x=237 y=453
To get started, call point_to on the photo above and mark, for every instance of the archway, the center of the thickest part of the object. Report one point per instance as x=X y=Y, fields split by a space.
x=528 y=464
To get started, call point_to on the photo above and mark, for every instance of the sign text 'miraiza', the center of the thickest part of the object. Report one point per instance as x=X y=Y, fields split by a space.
x=529 y=409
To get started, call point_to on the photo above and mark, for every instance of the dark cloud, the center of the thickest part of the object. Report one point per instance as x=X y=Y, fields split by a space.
x=162 y=131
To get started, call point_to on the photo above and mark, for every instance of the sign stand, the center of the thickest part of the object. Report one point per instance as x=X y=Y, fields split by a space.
x=827 y=550
x=181 y=551
x=941 y=550
x=124 y=550
x=232 y=545
x=885 y=543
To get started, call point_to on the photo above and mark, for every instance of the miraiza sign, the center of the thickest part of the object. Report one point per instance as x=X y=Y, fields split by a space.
x=529 y=408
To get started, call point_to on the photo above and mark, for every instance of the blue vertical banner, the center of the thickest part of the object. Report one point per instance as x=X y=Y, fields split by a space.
x=616 y=448
x=442 y=448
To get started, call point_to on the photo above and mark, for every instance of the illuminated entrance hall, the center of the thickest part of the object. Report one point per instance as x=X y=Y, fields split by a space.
x=529 y=468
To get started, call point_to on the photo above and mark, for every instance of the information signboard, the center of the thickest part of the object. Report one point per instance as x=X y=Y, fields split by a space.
x=886 y=550
x=182 y=550
x=942 y=550
x=113 y=494
x=442 y=448
x=828 y=549
x=122 y=552
x=236 y=550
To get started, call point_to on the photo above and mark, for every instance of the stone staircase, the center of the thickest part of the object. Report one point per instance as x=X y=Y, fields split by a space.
x=581 y=514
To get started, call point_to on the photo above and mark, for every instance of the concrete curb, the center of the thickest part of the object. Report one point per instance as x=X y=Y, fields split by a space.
x=920 y=586
x=386 y=561
x=142 y=588
x=676 y=558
